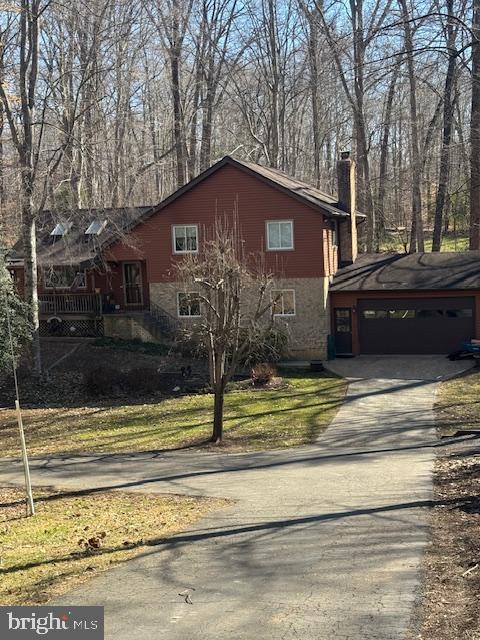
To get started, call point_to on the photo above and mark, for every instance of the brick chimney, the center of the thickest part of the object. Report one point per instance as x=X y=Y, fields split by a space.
x=347 y=202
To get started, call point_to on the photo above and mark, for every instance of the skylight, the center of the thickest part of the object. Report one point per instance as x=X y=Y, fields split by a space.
x=96 y=228
x=61 y=229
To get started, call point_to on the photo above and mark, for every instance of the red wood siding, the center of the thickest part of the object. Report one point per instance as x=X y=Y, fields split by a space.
x=350 y=300
x=220 y=194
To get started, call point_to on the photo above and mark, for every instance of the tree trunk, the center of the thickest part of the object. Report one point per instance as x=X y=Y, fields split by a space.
x=475 y=132
x=219 y=396
x=416 y=238
x=178 y=122
x=382 y=178
x=30 y=268
x=448 y=108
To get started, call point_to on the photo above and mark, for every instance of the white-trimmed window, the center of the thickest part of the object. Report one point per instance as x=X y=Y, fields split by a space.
x=185 y=238
x=188 y=305
x=283 y=302
x=64 y=277
x=279 y=235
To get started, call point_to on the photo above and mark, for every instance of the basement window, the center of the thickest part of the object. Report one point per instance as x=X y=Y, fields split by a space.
x=283 y=302
x=188 y=305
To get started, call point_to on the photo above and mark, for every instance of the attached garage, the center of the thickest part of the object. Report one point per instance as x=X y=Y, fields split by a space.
x=406 y=304
x=414 y=325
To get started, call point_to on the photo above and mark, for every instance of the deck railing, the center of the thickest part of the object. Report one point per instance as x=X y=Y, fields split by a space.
x=70 y=303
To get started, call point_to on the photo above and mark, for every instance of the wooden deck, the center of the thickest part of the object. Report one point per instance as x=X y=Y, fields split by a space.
x=53 y=304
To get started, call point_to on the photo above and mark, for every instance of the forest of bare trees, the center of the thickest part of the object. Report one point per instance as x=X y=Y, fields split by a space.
x=114 y=103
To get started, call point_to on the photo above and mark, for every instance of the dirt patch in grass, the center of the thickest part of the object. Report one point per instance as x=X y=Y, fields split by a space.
x=449 y=605
x=73 y=537
x=254 y=420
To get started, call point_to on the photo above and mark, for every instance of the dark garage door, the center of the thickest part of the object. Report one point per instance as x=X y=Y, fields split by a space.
x=415 y=325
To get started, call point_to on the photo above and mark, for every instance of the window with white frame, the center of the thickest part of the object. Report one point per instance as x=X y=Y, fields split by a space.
x=64 y=277
x=283 y=302
x=185 y=238
x=188 y=305
x=279 y=235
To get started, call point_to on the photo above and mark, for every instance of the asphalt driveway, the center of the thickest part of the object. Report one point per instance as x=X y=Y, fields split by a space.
x=322 y=542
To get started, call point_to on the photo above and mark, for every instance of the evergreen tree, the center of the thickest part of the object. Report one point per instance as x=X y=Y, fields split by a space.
x=13 y=308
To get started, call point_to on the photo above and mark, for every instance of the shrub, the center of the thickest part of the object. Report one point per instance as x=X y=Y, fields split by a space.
x=262 y=373
x=263 y=345
x=189 y=344
x=141 y=380
x=266 y=345
x=103 y=381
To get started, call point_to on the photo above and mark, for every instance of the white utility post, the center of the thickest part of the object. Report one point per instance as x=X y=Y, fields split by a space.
x=26 y=468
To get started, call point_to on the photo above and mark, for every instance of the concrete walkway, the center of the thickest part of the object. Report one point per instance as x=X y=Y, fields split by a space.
x=323 y=542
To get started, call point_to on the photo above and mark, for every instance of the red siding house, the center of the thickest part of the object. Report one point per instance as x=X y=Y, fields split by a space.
x=109 y=272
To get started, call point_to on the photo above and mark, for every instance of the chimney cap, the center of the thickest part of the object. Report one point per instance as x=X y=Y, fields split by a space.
x=345 y=155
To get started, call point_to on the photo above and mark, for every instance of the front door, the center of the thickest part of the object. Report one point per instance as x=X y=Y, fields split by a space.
x=343 y=331
x=132 y=279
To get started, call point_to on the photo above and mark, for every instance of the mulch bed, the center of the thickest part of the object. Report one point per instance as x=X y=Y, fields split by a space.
x=449 y=607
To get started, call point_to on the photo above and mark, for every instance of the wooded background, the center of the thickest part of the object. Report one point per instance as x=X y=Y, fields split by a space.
x=114 y=103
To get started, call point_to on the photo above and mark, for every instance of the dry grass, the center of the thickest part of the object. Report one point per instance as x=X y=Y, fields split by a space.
x=450 y=242
x=291 y=415
x=458 y=404
x=50 y=553
x=449 y=609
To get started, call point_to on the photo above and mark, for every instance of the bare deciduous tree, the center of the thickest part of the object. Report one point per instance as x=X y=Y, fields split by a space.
x=233 y=292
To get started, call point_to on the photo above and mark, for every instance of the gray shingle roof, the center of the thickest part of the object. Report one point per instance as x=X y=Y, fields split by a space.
x=392 y=272
x=75 y=247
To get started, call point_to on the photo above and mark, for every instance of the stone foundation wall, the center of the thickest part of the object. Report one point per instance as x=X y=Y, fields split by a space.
x=308 y=329
x=126 y=327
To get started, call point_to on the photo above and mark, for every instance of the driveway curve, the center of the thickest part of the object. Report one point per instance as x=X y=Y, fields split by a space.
x=322 y=542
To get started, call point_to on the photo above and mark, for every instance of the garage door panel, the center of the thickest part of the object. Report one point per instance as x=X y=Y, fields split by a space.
x=416 y=325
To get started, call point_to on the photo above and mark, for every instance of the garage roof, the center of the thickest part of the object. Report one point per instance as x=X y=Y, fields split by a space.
x=393 y=271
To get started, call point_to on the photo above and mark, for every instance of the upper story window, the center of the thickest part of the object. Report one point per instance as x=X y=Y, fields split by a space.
x=279 y=235
x=283 y=302
x=188 y=305
x=185 y=238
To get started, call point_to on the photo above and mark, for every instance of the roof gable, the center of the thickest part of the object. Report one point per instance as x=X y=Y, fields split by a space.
x=292 y=187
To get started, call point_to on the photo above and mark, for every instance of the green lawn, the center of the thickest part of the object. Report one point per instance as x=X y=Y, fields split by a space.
x=254 y=420
x=450 y=242
x=73 y=537
x=458 y=403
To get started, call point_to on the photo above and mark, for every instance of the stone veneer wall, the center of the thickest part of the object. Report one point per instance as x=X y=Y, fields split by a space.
x=308 y=329
x=126 y=327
